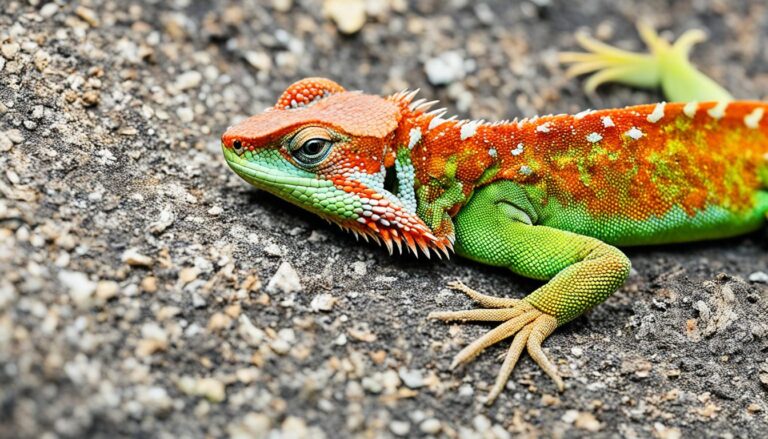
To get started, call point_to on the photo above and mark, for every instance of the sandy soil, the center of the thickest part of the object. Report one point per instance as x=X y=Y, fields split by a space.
x=145 y=291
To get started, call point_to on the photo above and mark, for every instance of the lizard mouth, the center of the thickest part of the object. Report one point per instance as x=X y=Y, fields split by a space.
x=364 y=211
x=267 y=178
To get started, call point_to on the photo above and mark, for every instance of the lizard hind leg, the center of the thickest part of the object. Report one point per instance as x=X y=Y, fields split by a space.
x=666 y=65
x=495 y=227
x=528 y=325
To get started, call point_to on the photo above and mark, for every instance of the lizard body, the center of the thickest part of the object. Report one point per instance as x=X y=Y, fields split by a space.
x=548 y=197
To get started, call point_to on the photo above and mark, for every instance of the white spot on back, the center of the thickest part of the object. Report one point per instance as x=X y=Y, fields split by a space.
x=634 y=133
x=752 y=120
x=519 y=150
x=543 y=128
x=526 y=170
x=468 y=130
x=690 y=109
x=718 y=111
x=594 y=137
x=607 y=121
x=492 y=152
x=657 y=113
x=413 y=137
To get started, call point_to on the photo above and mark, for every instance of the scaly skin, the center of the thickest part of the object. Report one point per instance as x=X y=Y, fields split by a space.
x=549 y=198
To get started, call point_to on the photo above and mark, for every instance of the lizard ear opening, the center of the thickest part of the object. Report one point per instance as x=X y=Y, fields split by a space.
x=307 y=91
x=390 y=180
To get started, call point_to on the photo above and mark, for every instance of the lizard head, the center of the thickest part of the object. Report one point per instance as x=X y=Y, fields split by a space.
x=326 y=150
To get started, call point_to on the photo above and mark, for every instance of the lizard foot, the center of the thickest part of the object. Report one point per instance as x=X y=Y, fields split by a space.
x=610 y=64
x=529 y=326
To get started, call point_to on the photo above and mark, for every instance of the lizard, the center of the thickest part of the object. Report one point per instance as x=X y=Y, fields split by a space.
x=551 y=198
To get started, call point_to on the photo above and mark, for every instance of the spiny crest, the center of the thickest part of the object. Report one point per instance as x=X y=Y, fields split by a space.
x=405 y=98
x=421 y=107
x=418 y=238
x=307 y=91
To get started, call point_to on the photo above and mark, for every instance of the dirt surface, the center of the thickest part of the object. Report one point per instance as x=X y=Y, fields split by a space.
x=145 y=291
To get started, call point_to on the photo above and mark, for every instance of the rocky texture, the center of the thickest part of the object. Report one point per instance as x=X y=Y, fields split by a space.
x=146 y=291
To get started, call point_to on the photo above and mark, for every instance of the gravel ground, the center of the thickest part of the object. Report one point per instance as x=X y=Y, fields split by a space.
x=145 y=291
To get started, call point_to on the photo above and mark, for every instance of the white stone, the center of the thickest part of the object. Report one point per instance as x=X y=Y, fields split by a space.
x=211 y=388
x=349 y=15
x=446 y=68
x=80 y=288
x=164 y=220
x=185 y=114
x=430 y=426
x=411 y=377
x=399 y=428
x=252 y=335
x=188 y=80
x=323 y=302
x=133 y=258
x=285 y=280
x=154 y=398
x=759 y=276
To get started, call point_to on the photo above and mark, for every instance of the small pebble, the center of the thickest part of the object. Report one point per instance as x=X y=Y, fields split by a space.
x=49 y=10
x=15 y=136
x=430 y=426
x=759 y=277
x=210 y=388
x=349 y=15
x=88 y=15
x=188 y=80
x=9 y=50
x=80 y=288
x=149 y=284
x=446 y=68
x=252 y=335
x=400 y=428
x=133 y=258
x=412 y=378
x=285 y=280
x=323 y=302
x=106 y=290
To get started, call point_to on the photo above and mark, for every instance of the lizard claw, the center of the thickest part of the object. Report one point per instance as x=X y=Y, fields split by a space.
x=529 y=326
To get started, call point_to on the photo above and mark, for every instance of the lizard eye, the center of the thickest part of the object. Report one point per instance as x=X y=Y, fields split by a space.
x=237 y=145
x=311 y=146
x=312 y=151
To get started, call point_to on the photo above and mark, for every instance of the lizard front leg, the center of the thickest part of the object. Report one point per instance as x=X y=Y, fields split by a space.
x=495 y=228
